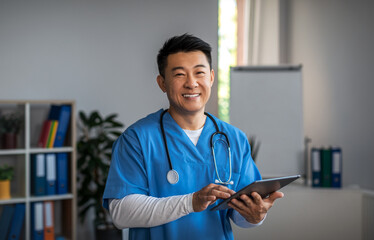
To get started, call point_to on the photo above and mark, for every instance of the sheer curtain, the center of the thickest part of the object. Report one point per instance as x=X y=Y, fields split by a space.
x=259 y=35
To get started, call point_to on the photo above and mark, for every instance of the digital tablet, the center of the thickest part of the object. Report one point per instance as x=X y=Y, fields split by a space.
x=262 y=187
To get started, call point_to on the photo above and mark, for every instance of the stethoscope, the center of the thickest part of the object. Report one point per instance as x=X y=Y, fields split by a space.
x=173 y=176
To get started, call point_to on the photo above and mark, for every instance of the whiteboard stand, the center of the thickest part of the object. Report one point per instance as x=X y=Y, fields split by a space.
x=267 y=102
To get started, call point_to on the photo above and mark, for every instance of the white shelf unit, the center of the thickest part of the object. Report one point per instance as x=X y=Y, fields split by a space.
x=35 y=112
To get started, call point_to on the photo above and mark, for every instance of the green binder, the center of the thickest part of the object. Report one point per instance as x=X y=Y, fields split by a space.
x=326 y=167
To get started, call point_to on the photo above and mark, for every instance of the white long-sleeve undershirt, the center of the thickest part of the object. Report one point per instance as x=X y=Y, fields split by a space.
x=138 y=210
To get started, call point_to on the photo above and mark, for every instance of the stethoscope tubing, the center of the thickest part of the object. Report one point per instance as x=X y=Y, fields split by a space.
x=172 y=171
x=164 y=137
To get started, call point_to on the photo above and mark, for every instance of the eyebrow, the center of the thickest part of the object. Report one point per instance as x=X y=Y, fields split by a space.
x=180 y=67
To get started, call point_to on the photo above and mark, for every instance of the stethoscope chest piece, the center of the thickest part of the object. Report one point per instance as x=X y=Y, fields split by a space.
x=172 y=176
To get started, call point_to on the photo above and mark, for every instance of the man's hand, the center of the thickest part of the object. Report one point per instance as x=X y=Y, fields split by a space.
x=255 y=209
x=209 y=195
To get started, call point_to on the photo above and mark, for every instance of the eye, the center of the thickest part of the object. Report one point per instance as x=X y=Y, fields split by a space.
x=179 y=75
x=200 y=73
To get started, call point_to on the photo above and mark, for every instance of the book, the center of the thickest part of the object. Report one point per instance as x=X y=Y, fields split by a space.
x=50 y=173
x=316 y=167
x=17 y=222
x=326 y=167
x=37 y=223
x=38 y=177
x=5 y=220
x=62 y=173
x=44 y=134
x=336 y=167
x=61 y=113
x=52 y=133
x=49 y=231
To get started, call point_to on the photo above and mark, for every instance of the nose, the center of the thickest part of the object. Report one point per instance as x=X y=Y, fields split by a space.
x=191 y=82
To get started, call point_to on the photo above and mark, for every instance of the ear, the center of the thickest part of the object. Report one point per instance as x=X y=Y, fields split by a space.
x=161 y=83
x=211 y=77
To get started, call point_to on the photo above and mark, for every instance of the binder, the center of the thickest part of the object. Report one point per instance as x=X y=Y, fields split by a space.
x=38 y=174
x=52 y=134
x=316 y=167
x=17 y=222
x=44 y=134
x=336 y=167
x=50 y=174
x=49 y=231
x=62 y=115
x=37 y=225
x=5 y=220
x=62 y=173
x=326 y=165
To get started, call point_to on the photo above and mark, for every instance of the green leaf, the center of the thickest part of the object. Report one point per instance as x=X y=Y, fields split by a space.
x=110 y=117
x=83 y=117
x=93 y=159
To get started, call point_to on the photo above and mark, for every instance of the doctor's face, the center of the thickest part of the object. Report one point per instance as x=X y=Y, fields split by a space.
x=187 y=82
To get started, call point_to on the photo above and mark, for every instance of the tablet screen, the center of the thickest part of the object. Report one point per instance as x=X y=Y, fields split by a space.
x=263 y=187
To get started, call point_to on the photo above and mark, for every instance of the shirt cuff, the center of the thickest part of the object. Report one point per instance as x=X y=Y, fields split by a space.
x=189 y=203
x=240 y=221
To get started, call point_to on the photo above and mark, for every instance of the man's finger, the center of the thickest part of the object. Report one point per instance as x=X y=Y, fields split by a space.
x=236 y=207
x=241 y=204
x=256 y=198
x=220 y=194
x=275 y=195
x=224 y=189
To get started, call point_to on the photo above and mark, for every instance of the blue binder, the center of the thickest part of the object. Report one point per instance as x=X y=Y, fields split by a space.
x=50 y=173
x=37 y=223
x=62 y=173
x=5 y=220
x=316 y=167
x=336 y=167
x=38 y=174
x=17 y=222
x=61 y=113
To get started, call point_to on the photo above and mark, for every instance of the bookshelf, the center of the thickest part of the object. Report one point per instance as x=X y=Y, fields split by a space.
x=34 y=113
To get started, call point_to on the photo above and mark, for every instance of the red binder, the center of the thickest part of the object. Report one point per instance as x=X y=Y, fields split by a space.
x=44 y=134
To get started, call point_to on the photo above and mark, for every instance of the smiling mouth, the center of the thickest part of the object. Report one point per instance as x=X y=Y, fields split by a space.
x=191 y=95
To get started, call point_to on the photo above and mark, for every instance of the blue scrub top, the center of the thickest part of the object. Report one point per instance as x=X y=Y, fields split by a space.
x=139 y=166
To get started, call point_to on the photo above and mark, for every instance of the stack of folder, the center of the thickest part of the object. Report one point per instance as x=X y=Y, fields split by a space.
x=326 y=167
x=49 y=174
x=42 y=221
x=12 y=221
x=55 y=127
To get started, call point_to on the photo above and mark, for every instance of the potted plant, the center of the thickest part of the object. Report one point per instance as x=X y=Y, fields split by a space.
x=6 y=175
x=10 y=125
x=94 y=154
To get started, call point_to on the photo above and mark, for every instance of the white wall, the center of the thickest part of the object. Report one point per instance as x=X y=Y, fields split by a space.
x=100 y=53
x=333 y=39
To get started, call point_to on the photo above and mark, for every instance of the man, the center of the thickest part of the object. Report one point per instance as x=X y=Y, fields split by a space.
x=164 y=177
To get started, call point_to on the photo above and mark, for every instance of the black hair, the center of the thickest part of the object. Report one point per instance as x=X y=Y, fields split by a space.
x=182 y=43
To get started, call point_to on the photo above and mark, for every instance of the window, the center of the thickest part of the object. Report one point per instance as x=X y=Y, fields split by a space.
x=227 y=45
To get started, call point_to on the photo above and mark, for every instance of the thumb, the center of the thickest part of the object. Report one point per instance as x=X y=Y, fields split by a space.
x=275 y=195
